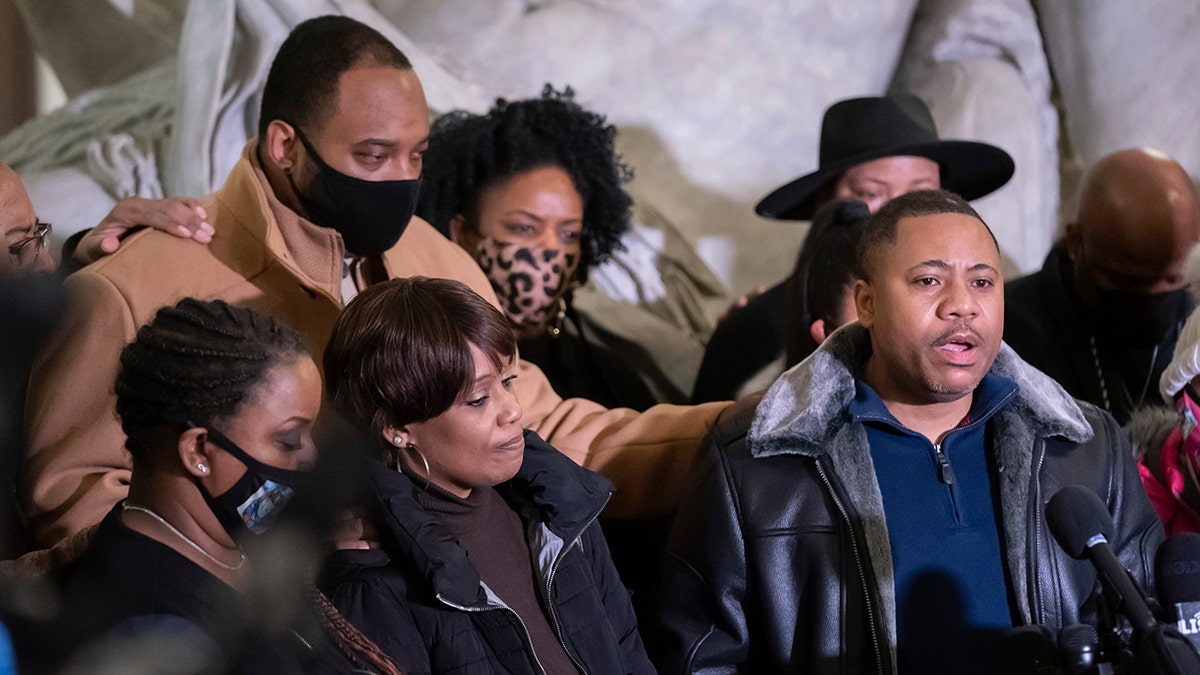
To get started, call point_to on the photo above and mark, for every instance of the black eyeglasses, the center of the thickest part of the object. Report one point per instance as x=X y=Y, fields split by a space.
x=25 y=252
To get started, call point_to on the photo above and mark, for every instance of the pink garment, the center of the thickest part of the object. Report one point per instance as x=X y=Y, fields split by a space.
x=1168 y=499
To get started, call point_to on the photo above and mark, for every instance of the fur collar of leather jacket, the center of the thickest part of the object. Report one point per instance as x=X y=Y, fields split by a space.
x=804 y=413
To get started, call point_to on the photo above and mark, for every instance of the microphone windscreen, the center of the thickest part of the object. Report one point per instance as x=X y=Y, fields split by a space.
x=1177 y=569
x=1075 y=514
x=1078 y=647
x=1028 y=649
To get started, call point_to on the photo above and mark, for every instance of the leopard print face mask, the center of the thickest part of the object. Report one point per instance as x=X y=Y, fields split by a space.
x=528 y=281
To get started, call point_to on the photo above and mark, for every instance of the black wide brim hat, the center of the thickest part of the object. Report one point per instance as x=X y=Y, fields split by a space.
x=859 y=130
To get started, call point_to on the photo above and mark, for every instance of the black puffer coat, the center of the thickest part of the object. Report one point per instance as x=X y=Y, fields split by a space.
x=420 y=599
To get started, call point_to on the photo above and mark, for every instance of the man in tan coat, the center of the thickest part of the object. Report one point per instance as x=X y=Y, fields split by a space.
x=318 y=207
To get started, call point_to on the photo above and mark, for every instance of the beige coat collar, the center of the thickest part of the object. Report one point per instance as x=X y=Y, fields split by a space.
x=311 y=253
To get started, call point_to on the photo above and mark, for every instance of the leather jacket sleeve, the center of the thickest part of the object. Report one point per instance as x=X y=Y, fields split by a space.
x=1138 y=532
x=1106 y=465
x=702 y=621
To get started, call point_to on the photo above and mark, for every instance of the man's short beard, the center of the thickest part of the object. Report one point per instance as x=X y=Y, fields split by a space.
x=942 y=393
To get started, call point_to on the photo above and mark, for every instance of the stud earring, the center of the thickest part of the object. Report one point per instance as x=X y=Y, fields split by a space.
x=201 y=468
x=397 y=441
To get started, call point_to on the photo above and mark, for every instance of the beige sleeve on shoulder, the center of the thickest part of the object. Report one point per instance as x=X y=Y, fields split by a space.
x=76 y=465
x=646 y=455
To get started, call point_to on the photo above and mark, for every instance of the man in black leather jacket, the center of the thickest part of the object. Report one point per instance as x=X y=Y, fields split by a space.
x=882 y=508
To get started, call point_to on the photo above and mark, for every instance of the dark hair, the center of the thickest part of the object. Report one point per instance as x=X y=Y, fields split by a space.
x=199 y=362
x=302 y=85
x=882 y=227
x=400 y=351
x=825 y=268
x=468 y=153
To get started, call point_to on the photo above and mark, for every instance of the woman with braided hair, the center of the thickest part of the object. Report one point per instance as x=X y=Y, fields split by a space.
x=491 y=559
x=532 y=190
x=218 y=404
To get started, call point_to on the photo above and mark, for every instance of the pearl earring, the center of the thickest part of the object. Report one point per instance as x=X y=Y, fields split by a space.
x=397 y=441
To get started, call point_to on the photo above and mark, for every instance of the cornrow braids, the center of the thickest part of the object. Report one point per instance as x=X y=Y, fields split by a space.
x=196 y=361
x=349 y=640
x=469 y=152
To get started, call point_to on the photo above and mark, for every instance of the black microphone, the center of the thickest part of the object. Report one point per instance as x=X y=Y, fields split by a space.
x=1028 y=650
x=1082 y=525
x=1177 y=573
x=1079 y=649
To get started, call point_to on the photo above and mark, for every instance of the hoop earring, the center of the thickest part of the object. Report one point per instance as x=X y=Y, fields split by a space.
x=424 y=461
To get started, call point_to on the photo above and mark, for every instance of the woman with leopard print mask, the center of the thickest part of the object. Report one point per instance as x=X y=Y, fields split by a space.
x=533 y=191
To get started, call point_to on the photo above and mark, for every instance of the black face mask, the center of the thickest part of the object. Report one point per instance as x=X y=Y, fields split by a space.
x=1131 y=319
x=370 y=215
x=254 y=502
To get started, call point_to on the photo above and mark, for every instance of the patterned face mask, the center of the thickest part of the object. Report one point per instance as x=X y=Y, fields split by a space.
x=254 y=502
x=528 y=281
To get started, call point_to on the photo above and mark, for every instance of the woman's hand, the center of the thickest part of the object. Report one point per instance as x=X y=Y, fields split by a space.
x=180 y=216
x=353 y=530
x=741 y=302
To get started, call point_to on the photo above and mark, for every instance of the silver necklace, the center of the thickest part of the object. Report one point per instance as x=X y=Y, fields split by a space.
x=233 y=568
x=1104 y=385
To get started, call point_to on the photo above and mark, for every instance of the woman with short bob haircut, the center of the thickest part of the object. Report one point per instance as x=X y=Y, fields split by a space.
x=488 y=533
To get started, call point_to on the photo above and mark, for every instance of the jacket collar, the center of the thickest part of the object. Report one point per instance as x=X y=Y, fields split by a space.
x=564 y=495
x=548 y=486
x=806 y=406
x=311 y=253
x=804 y=413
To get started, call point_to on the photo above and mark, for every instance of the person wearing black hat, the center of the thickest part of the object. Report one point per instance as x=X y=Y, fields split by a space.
x=872 y=149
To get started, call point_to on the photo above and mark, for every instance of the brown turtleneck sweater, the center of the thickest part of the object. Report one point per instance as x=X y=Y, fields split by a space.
x=494 y=538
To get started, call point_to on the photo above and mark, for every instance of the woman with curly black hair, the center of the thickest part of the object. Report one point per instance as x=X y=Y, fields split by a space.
x=533 y=191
